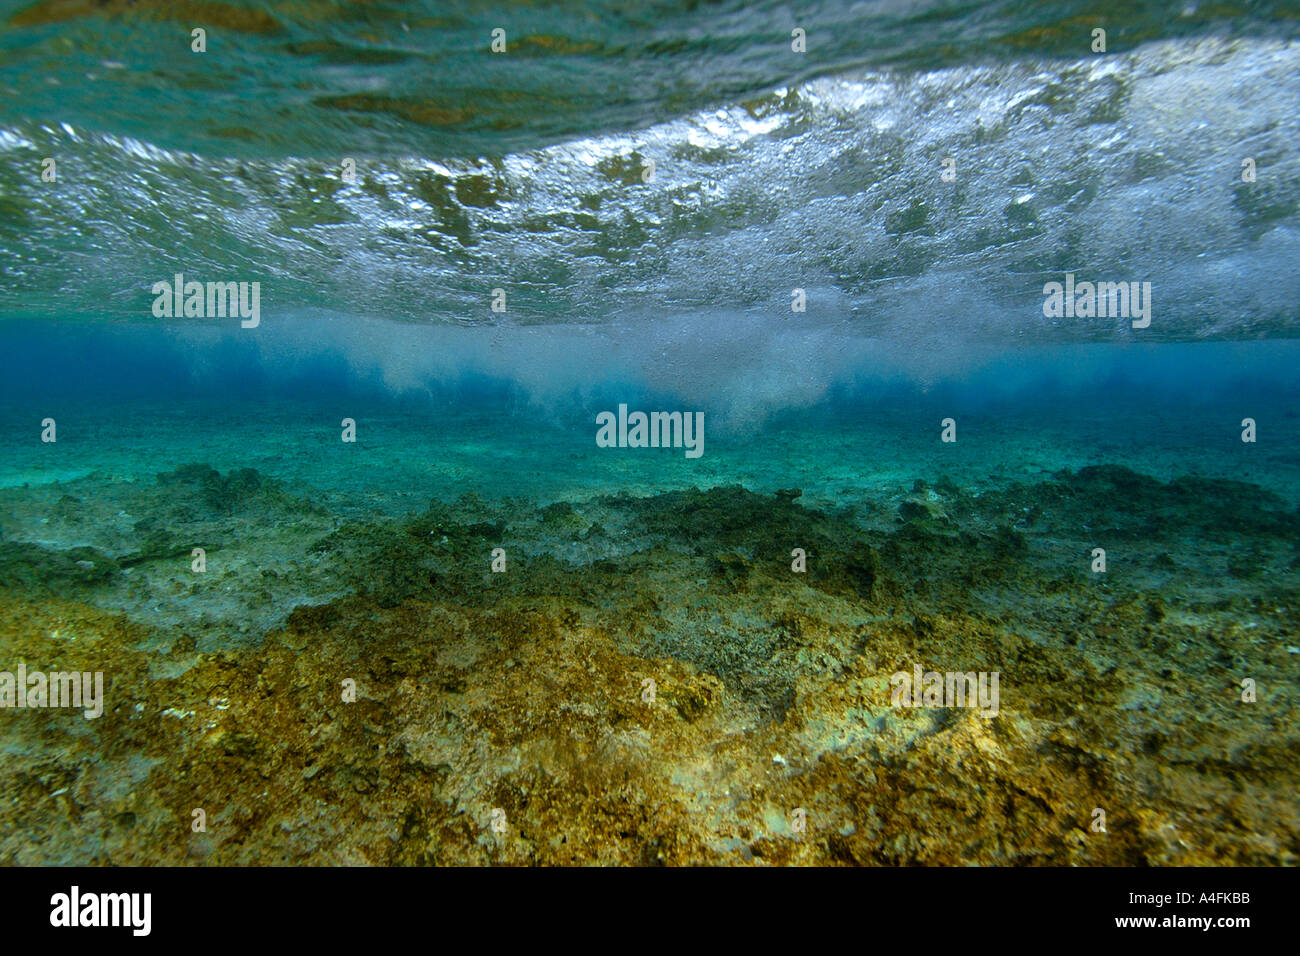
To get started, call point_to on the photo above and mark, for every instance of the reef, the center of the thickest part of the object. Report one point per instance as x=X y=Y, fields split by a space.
x=651 y=681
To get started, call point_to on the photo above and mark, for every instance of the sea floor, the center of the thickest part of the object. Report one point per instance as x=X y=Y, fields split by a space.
x=648 y=680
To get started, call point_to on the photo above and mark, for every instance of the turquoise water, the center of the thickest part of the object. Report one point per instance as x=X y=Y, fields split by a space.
x=132 y=408
x=471 y=255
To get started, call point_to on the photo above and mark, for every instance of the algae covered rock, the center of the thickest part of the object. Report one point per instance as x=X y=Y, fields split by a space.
x=32 y=568
x=669 y=689
x=240 y=490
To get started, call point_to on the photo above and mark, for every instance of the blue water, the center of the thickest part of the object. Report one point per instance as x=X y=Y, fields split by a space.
x=130 y=401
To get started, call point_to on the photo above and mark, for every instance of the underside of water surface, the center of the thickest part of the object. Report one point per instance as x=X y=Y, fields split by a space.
x=377 y=568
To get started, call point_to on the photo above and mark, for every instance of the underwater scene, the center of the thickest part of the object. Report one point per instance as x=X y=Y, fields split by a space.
x=649 y=433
